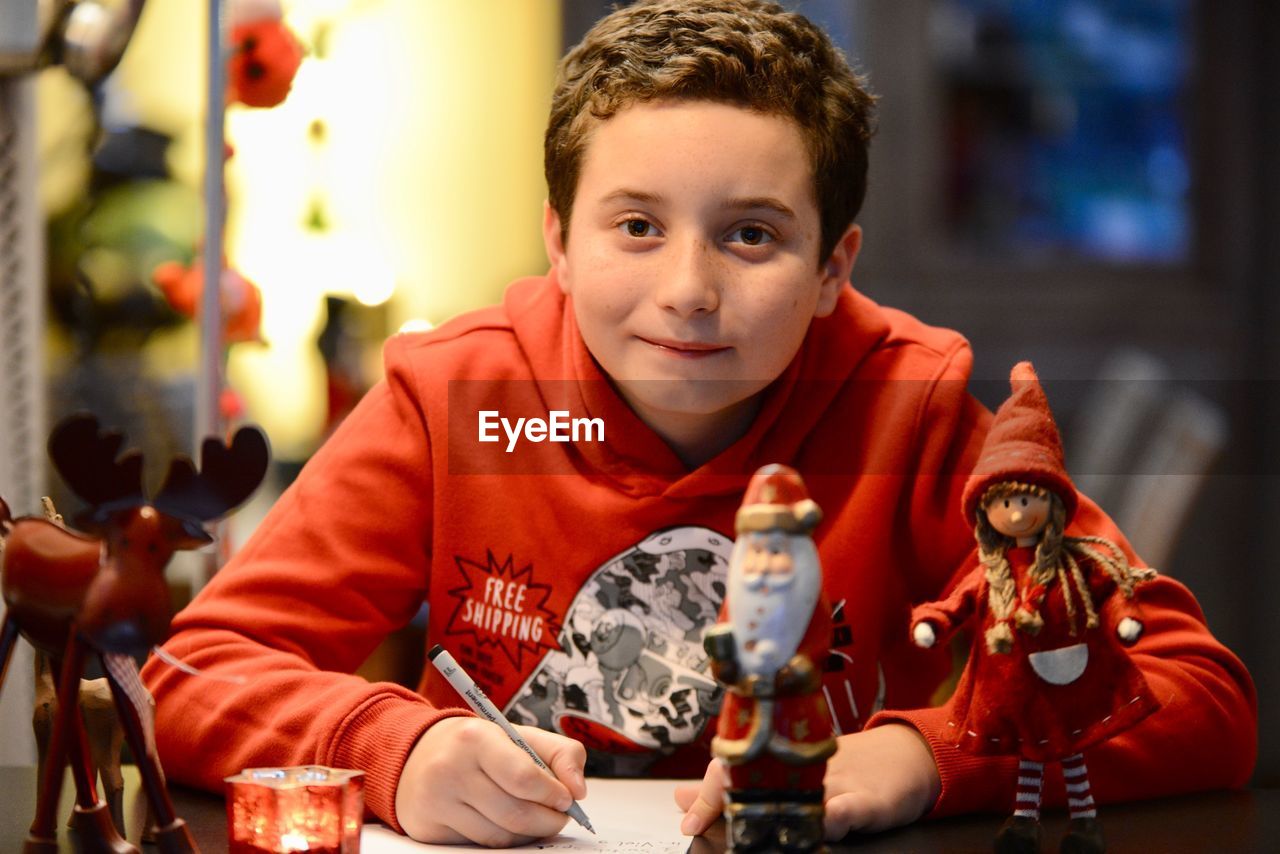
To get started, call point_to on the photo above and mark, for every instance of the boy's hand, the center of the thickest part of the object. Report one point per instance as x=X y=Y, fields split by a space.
x=877 y=779
x=465 y=781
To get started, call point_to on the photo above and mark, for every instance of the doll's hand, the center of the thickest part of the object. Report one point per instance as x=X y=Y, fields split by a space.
x=1129 y=631
x=877 y=779
x=924 y=635
x=465 y=781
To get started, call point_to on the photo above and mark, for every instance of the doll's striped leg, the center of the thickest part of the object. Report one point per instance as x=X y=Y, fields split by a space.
x=1020 y=833
x=1030 y=782
x=1083 y=835
x=1076 y=777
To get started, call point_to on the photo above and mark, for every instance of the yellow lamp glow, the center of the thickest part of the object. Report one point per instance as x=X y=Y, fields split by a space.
x=416 y=134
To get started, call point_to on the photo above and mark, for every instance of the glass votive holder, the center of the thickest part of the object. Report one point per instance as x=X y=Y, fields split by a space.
x=308 y=808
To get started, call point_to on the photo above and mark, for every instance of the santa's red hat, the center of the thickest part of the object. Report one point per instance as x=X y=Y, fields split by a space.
x=1023 y=447
x=776 y=499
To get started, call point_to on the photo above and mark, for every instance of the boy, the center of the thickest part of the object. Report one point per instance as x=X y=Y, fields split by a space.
x=705 y=160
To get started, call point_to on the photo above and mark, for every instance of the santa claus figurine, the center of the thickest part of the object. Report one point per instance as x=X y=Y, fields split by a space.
x=1049 y=675
x=774 y=731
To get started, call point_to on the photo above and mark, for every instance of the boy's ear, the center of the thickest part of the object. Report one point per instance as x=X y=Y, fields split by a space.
x=554 y=243
x=838 y=269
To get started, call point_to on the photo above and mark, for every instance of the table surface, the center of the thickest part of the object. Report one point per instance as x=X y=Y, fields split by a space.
x=1243 y=821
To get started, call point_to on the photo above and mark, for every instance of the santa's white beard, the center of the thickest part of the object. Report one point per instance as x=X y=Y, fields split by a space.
x=770 y=616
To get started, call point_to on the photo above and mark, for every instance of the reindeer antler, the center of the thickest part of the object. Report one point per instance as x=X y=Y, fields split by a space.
x=89 y=460
x=228 y=475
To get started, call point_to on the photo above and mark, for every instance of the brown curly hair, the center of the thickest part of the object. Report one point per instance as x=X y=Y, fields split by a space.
x=750 y=53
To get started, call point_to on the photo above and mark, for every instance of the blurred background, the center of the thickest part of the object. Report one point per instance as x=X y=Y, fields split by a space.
x=1089 y=184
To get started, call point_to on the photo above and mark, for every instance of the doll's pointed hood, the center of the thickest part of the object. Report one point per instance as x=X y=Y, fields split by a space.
x=1023 y=446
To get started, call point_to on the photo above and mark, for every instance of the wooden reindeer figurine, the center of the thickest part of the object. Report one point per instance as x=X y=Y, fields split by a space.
x=102 y=725
x=71 y=595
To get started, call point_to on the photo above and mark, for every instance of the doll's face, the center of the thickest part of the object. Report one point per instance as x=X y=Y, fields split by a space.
x=1019 y=516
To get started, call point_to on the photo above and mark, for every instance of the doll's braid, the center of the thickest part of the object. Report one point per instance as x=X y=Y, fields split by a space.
x=1067 y=599
x=1116 y=564
x=1082 y=587
x=1049 y=549
x=1001 y=589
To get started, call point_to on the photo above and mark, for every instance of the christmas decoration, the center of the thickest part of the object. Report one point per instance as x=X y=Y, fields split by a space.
x=71 y=594
x=1049 y=675
x=774 y=730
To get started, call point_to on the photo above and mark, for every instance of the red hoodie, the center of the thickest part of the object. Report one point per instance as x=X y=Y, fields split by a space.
x=574 y=580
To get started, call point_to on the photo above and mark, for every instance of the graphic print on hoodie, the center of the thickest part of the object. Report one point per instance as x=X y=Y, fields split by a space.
x=631 y=680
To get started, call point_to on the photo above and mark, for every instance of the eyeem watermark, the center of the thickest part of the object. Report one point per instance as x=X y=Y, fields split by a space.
x=556 y=427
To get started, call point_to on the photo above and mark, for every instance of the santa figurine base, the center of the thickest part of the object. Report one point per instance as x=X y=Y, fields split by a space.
x=774 y=733
x=786 y=821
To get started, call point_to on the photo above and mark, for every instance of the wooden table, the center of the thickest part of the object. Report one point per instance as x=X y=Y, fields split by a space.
x=1247 y=821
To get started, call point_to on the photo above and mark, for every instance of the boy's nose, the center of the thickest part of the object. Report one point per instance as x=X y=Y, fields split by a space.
x=690 y=285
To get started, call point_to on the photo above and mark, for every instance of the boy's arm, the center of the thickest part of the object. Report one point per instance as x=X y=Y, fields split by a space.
x=339 y=562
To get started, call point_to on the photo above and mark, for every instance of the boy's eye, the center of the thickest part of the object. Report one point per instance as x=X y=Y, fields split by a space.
x=1006 y=504
x=1024 y=502
x=751 y=235
x=638 y=228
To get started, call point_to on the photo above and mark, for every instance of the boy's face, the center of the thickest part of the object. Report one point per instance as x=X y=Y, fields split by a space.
x=692 y=256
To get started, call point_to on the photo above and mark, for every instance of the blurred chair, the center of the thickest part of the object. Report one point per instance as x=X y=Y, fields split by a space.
x=1142 y=446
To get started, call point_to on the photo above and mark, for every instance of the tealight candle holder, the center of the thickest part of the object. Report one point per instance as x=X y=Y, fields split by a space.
x=308 y=808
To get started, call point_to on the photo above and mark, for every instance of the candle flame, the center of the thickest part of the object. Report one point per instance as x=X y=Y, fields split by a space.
x=294 y=842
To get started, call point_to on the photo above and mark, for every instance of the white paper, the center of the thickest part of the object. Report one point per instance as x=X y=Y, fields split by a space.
x=638 y=816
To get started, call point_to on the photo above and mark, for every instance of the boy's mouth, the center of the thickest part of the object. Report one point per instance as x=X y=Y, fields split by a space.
x=685 y=349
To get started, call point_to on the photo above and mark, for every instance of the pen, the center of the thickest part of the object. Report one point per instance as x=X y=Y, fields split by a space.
x=483 y=706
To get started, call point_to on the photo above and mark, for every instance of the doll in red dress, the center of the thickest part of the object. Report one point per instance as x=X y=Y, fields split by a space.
x=774 y=732
x=1049 y=674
